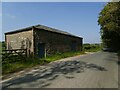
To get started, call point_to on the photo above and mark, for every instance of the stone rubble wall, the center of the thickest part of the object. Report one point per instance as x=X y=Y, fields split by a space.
x=54 y=42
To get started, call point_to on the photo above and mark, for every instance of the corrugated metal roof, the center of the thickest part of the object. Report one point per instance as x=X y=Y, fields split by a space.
x=43 y=27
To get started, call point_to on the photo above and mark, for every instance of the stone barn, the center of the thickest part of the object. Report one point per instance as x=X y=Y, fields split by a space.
x=42 y=41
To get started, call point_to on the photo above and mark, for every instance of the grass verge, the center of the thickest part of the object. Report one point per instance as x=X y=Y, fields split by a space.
x=93 y=50
x=23 y=62
x=92 y=47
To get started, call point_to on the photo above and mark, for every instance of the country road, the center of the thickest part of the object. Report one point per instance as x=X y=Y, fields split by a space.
x=97 y=70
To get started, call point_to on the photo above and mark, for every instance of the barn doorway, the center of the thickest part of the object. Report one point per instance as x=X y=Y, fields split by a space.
x=41 y=50
x=73 y=46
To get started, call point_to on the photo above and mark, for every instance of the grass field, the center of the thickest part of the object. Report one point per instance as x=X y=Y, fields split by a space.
x=91 y=47
x=2 y=46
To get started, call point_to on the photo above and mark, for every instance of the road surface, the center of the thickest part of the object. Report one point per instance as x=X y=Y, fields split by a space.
x=97 y=70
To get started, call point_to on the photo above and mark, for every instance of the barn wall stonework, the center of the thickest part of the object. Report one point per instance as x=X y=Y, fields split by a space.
x=55 y=42
x=20 y=40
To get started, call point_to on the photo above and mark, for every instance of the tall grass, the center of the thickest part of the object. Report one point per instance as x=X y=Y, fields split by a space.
x=0 y=46
x=92 y=47
x=22 y=62
x=62 y=55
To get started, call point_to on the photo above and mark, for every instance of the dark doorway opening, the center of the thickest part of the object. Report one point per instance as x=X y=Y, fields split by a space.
x=41 y=50
x=73 y=46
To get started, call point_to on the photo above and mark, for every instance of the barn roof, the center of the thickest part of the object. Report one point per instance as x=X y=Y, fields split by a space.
x=43 y=27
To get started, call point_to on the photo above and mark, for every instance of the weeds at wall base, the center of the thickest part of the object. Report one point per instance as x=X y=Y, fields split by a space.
x=19 y=63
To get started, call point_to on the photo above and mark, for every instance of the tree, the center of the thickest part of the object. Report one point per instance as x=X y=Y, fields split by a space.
x=109 y=20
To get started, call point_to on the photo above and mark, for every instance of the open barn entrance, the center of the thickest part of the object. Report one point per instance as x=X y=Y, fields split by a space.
x=73 y=46
x=41 y=50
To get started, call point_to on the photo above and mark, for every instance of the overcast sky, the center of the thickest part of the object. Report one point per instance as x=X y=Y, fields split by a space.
x=77 y=18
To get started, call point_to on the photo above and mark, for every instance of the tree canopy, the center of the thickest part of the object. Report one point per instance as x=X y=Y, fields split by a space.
x=109 y=20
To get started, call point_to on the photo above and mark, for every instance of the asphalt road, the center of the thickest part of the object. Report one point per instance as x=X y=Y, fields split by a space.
x=97 y=70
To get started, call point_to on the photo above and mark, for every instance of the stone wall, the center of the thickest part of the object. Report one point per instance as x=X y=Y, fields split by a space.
x=20 y=40
x=54 y=42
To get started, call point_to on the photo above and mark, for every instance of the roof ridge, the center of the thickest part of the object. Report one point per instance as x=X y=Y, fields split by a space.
x=39 y=26
x=51 y=28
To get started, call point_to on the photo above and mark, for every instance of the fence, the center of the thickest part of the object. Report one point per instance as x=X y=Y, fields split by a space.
x=7 y=54
x=15 y=51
